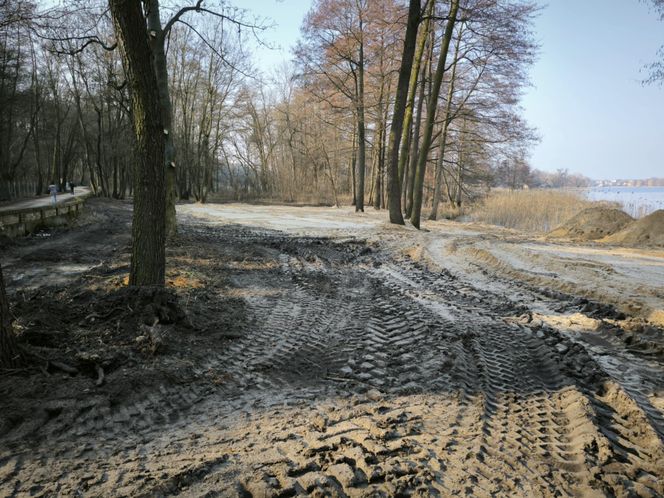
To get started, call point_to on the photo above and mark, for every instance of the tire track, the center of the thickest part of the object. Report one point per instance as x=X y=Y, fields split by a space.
x=359 y=374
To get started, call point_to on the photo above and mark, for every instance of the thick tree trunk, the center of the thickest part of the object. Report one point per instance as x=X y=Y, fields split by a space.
x=393 y=177
x=157 y=42
x=431 y=116
x=148 y=228
x=9 y=356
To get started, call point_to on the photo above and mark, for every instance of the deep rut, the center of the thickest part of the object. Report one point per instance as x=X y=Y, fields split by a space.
x=359 y=374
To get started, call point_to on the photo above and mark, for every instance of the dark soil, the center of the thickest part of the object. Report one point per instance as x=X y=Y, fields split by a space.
x=84 y=333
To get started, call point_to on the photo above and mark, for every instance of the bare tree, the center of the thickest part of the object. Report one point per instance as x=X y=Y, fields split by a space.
x=334 y=48
x=447 y=119
x=394 y=180
x=431 y=114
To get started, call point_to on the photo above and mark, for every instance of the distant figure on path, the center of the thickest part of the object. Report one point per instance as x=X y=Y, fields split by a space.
x=54 y=193
x=71 y=186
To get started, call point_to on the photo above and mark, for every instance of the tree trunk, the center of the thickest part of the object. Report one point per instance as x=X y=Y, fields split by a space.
x=459 y=171
x=353 y=163
x=431 y=116
x=407 y=129
x=161 y=70
x=9 y=356
x=39 y=190
x=393 y=177
x=415 y=146
x=372 y=180
x=103 y=181
x=378 y=150
x=360 y=165
x=383 y=153
x=443 y=136
x=116 y=180
x=148 y=227
x=361 y=142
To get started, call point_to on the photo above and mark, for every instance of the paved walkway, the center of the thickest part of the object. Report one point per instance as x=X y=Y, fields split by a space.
x=45 y=200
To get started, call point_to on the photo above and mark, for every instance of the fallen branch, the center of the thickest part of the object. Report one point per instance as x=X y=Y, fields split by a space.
x=12 y=371
x=64 y=367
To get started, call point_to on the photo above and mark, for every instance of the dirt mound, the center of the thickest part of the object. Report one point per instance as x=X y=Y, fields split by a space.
x=648 y=231
x=592 y=224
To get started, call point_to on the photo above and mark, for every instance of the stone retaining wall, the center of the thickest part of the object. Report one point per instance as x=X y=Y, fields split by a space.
x=16 y=223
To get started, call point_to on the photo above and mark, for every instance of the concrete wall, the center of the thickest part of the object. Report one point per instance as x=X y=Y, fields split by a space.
x=25 y=221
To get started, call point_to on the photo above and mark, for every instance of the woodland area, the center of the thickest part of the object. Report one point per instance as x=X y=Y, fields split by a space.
x=389 y=104
x=293 y=135
x=307 y=322
x=384 y=103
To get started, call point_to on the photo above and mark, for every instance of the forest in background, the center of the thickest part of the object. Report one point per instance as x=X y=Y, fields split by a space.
x=289 y=136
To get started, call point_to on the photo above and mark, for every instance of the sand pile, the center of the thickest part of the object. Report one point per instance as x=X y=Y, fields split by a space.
x=648 y=231
x=592 y=224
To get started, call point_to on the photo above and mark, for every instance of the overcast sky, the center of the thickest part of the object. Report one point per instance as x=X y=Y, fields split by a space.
x=587 y=101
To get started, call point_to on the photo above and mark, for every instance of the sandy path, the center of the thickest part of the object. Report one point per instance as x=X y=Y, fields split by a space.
x=371 y=361
x=43 y=201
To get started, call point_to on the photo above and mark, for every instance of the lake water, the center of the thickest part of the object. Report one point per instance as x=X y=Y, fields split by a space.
x=637 y=201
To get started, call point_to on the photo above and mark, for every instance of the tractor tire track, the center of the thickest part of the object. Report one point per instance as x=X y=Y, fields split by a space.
x=359 y=373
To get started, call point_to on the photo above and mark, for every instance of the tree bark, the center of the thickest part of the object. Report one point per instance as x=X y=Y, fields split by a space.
x=353 y=162
x=407 y=129
x=393 y=178
x=9 y=356
x=431 y=116
x=157 y=41
x=361 y=142
x=459 y=171
x=415 y=144
x=443 y=136
x=148 y=227
x=378 y=151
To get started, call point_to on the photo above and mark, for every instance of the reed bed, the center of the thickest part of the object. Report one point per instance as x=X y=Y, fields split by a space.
x=530 y=210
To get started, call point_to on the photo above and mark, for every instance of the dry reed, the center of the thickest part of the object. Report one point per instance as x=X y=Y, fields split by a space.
x=530 y=210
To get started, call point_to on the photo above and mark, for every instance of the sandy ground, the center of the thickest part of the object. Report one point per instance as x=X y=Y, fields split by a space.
x=630 y=279
x=327 y=353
